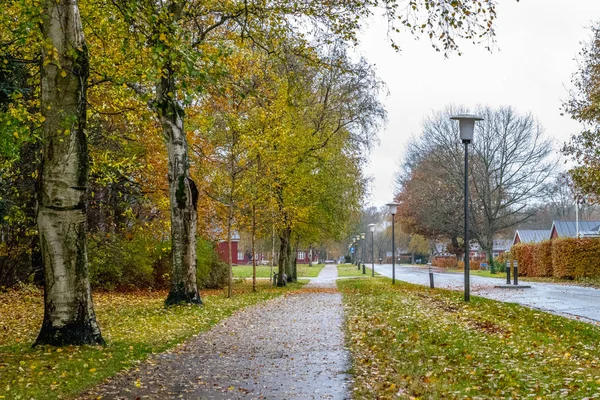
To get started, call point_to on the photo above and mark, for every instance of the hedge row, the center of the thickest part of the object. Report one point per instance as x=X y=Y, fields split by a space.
x=452 y=262
x=561 y=258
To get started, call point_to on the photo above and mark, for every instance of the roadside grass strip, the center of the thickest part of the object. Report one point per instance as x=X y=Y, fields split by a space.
x=345 y=270
x=133 y=324
x=412 y=342
x=264 y=271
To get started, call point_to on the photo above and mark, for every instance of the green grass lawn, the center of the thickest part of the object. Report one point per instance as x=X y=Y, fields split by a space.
x=408 y=341
x=262 y=271
x=133 y=324
x=487 y=274
x=347 y=270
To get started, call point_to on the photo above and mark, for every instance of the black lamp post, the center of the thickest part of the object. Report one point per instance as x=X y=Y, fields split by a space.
x=467 y=126
x=372 y=229
x=353 y=250
x=357 y=238
x=393 y=208
x=363 y=253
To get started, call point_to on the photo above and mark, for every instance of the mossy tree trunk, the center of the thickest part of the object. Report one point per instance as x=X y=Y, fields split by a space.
x=183 y=195
x=69 y=317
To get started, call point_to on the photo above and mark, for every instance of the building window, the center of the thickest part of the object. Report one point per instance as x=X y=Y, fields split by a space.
x=300 y=255
x=240 y=255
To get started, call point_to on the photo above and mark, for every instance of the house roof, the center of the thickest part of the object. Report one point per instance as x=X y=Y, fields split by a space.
x=569 y=228
x=532 y=235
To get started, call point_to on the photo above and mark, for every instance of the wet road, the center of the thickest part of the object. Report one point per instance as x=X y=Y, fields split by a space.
x=573 y=301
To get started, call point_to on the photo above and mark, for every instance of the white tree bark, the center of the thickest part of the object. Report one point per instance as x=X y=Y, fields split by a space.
x=183 y=196
x=69 y=316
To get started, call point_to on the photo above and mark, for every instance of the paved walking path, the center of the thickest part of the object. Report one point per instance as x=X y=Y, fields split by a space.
x=568 y=300
x=291 y=347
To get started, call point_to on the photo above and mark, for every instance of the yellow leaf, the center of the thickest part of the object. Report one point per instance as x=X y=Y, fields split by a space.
x=162 y=37
x=63 y=73
x=92 y=370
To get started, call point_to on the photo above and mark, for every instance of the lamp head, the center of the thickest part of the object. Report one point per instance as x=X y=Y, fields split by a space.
x=371 y=227
x=467 y=126
x=362 y=236
x=393 y=207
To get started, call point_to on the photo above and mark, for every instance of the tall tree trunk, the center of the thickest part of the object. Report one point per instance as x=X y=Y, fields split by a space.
x=183 y=196
x=310 y=255
x=284 y=254
x=254 y=248
x=229 y=251
x=69 y=316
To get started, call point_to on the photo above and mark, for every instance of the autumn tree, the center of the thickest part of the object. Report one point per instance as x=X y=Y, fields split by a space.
x=583 y=107
x=509 y=168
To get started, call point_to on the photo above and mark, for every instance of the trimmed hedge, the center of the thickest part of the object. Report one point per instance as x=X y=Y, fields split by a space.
x=542 y=259
x=575 y=258
x=561 y=258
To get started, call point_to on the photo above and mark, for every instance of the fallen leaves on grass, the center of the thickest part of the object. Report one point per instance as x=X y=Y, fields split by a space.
x=411 y=342
x=134 y=325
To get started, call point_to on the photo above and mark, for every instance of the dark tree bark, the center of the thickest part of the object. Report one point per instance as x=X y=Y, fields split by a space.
x=69 y=317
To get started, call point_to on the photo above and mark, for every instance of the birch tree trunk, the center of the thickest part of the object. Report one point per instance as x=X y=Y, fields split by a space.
x=284 y=254
x=183 y=196
x=69 y=317
x=254 y=248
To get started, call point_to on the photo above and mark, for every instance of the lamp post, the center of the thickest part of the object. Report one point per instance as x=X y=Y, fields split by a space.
x=354 y=250
x=357 y=248
x=363 y=253
x=467 y=126
x=393 y=207
x=372 y=229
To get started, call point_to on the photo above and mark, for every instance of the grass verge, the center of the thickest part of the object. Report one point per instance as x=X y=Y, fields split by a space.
x=262 y=271
x=583 y=281
x=411 y=342
x=133 y=324
x=351 y=270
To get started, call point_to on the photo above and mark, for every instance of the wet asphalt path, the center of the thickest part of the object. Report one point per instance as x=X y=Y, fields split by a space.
x=568 y=300
x=291 y=347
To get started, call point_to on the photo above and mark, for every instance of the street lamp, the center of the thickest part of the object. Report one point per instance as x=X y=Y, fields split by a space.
x=363 y=253
x=354 y=252
x=357 y=259
x=393 y=207
x=372 y=229
x=467 y=126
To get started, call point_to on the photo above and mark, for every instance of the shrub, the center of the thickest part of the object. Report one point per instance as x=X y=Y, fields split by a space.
x=523 y=253
x=575 y=258
x=444 y=261
x=542 y=259
x=119 y=262
x=474 y=265
x=211 y=272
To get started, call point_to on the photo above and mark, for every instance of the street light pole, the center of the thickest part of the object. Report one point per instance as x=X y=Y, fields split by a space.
x=364 y=253
x=467 y=127
x=357 y=249
x=372 y=229
x=393 y=208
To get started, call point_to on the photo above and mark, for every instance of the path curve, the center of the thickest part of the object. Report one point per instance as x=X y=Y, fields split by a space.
x=291 y=347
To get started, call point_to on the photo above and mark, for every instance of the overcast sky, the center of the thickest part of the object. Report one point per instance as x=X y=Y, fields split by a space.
x=537 y=45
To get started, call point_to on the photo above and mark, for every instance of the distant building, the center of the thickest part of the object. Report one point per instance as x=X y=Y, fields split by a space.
x=530 y=236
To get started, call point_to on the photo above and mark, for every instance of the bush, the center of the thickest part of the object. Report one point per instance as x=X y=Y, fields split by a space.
x=524 y=254
x=575 y=258
x=118 y=262
x=444 y=262
x=542 y=259
x=473 y=265
x=211 y=272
